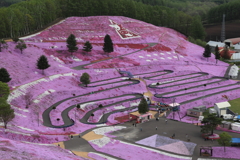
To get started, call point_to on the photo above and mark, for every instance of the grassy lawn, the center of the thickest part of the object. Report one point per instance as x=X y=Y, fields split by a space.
x=235 y=105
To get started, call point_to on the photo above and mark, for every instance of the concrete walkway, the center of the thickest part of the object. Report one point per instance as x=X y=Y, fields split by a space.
x=178 y=128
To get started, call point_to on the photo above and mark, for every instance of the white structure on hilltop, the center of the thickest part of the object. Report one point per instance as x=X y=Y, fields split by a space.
x=233 y=72
x=232 y=41
x=214 y=44
x=221 y=108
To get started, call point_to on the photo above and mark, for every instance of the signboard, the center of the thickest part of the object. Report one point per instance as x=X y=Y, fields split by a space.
x=123 y=32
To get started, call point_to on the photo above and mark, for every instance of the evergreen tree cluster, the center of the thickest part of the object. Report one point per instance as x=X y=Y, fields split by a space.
x=143 y=106
x=87 y=47
x=42 y=63
x=85 y=79
x=27 y=16
x=217 y=54
x=210 y=123
x=4 y=75
x=207 y=51
x=72 y=44
x=230 y=9
x=108 y=45
x=6 y=113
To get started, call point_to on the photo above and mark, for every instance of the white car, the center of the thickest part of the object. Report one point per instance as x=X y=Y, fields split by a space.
x=227 y=116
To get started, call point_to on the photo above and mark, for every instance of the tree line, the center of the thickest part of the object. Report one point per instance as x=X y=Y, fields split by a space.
x=231 y=10
x=27 y=16
x=5 y=3
x=190 y=7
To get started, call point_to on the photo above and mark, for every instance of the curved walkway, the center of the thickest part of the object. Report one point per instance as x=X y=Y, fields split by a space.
x=221 y=80
x=69 y=122
x=82 y=66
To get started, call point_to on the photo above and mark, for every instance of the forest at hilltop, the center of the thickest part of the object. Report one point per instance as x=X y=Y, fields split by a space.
x=5 y=3
x=27 y=16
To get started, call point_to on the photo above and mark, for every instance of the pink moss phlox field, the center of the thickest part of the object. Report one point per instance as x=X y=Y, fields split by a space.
x=132 y=152
x=97 y=156
x=99 y=113
x=170 y=51
x=14 y=149
x=231 y=152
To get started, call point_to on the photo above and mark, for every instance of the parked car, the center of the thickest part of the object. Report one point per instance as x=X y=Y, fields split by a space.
x=236 y=118
x=228 y=116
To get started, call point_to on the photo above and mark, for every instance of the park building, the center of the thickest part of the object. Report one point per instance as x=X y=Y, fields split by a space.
x=233 y=42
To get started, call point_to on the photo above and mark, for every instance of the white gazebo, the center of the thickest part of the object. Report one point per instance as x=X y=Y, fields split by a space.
x=214 y=44
x=233 y=72
x=221 y=108
x=175 y=106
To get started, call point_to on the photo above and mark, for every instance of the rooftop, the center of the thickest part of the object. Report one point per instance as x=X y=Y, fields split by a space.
x=223 y=104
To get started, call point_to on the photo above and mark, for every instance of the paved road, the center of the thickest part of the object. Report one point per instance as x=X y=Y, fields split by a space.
x=180 y=84
x=133 y=134
x=74 y=143
x=69 y=122
x=82 y=66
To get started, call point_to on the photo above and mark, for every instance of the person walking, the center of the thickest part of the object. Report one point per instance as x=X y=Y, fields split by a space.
x=156 y=127
x=165 y=121
x=141 y=129
x=187 y=137
x=173 y=136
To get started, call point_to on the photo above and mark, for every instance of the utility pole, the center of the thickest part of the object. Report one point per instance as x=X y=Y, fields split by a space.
x=223 y=29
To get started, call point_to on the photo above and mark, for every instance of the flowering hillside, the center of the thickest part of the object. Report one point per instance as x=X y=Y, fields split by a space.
x=151 y=54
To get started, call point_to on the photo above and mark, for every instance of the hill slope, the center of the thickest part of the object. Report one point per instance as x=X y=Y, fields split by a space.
x=153 y=54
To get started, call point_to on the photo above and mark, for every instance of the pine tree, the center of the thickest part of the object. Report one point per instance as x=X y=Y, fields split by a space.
x=21 y=45
x=4 y=75
x=210 y=123
x=85 y=79
x=4 y=92
x=87 y=47
x=6 y=114
x=207 y=52
x=217 y=54
x=42 y=63
x=72 y=44
x=143 y=106
x=108 y=45
x=3 y=45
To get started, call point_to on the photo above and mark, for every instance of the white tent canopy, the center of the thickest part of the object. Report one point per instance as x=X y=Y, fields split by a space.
x=223 y=105
x=214 y=44
x=233 y=71
x=235 y=56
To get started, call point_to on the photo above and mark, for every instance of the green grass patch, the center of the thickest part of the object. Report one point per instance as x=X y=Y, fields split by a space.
x=235 y=105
